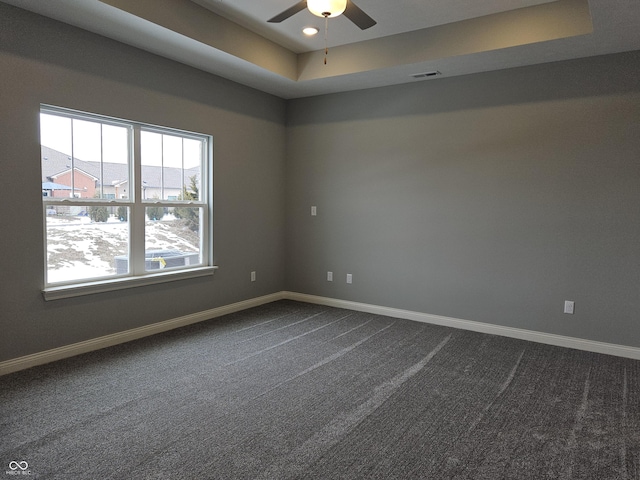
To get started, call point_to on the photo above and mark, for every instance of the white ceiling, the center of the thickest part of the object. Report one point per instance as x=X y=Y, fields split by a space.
x=231 y=38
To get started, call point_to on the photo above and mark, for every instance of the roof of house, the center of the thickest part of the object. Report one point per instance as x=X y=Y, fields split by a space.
x=55 y=163
x=54 y=186
x=67 y=170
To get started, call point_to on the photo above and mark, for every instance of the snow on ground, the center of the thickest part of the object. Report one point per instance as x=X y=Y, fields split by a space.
x=78 y=248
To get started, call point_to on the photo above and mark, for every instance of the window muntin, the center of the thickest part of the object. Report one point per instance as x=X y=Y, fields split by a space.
x=97 y=217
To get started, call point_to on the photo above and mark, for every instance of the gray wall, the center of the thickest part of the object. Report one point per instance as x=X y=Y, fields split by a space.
x=491 y=197
x=43 y=61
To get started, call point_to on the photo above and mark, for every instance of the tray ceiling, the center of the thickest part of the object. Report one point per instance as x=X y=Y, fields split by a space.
x=454 y=37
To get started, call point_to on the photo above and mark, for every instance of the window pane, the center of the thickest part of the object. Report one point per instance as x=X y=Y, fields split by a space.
x=87 y=157
x=55 y=133
x=193 y=150
x=85 y=242
x=115 y=157
x=171 y=167
x=55 y=141
x=151 y=153
x=172 y=237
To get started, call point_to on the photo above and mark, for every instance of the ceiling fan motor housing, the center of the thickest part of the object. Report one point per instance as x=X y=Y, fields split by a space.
x=327 y=8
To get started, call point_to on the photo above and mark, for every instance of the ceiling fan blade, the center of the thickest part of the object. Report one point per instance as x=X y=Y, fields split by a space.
x=357 y=16
x=298 y=7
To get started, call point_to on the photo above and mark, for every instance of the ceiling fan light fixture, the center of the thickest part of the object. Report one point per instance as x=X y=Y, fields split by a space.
x=327 y=8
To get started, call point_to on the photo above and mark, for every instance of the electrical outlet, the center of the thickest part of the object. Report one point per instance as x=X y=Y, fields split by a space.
x=253 y=276
x=329 y=276
x=569 y=306
x=349 y=278
x=314 y=211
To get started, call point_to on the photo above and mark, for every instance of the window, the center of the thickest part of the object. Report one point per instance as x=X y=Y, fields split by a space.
x=123 y=203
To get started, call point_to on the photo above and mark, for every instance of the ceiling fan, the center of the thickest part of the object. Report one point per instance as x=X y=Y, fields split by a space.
x=328 y=9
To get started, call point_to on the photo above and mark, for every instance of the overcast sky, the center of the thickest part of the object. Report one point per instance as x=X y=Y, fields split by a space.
x=89 y=138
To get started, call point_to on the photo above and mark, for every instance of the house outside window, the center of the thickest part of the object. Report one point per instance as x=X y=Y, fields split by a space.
x=123 y=202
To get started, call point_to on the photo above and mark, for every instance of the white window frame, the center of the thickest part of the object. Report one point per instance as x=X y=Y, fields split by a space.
x=138 y=275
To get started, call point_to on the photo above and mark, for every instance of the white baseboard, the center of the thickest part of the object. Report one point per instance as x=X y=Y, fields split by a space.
x=21 y=363
x=67 y=351
x=546 y=338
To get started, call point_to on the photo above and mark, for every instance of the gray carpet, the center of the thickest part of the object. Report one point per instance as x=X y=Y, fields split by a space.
x=291 y=390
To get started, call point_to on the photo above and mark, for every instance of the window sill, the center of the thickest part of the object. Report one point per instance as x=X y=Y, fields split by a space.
x=89 y=288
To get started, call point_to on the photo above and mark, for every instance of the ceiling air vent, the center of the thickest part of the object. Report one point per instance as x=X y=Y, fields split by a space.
x=431 y=74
